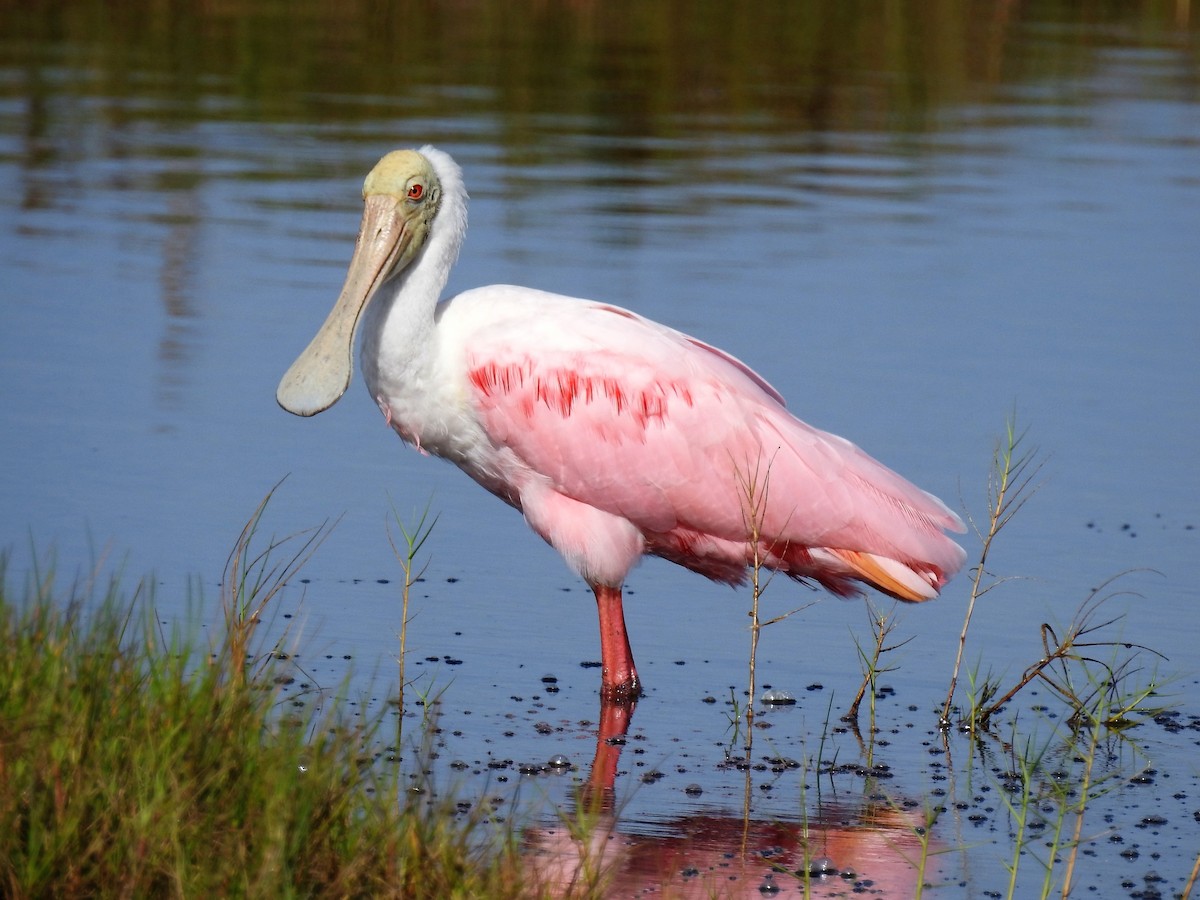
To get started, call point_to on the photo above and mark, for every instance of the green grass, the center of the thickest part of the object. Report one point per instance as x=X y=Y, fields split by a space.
x=137 y=764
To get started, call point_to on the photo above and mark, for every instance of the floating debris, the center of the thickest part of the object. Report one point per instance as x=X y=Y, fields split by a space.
x=820 y=867
x=777 y=697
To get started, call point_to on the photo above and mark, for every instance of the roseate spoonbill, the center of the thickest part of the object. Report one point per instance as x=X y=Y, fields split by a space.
x=614 y=435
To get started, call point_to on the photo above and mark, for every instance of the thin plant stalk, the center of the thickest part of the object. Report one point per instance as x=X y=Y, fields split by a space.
x=924 y=835
x=1008 y=489
x=1106 y=710
x=1059 y=655
x=882 y=625
x=1081 y=807
x=878 y=625
x=1026 y=767
x=755 y=486
x=414 y=539
x=254 y=577
x=755 y=495
x=1191 y=882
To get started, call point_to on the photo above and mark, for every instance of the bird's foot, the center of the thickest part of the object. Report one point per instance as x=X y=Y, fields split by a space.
x=622 y=692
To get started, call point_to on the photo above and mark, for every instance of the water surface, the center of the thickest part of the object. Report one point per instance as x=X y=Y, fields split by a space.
x=911 y=224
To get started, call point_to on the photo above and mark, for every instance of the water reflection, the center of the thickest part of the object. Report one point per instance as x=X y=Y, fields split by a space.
x=146 y=116
x=876 y=845
x=836 y=851
x=184 y=216
x=621 y=83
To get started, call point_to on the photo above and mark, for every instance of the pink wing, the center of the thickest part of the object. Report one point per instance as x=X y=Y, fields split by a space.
x=692 y=447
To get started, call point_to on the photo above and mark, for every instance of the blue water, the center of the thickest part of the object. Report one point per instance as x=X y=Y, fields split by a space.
x=1037 y=256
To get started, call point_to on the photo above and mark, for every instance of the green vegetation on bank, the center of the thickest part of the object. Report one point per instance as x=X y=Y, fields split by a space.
x=137 y=764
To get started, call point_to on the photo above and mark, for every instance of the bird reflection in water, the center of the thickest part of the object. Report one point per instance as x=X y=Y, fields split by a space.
x=864 y=848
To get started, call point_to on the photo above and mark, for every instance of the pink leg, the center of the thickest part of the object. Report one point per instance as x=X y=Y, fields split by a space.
x=619 y=682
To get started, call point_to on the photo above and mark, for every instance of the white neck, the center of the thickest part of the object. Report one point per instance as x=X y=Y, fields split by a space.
x=398 y=346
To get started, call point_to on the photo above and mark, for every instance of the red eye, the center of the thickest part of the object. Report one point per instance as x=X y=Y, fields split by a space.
x=415 y=191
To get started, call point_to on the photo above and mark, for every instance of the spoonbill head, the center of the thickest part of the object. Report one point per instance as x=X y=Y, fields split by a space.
x=400 y=199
